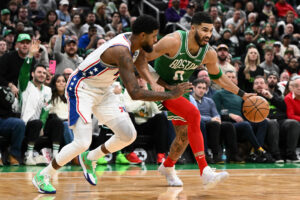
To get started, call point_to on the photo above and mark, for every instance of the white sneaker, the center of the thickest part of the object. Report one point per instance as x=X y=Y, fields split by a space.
x=211 y=178
x=29 y=160
x=40 y=160
x=170 y=174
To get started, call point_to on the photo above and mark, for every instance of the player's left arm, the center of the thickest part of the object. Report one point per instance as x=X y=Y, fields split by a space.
x=216 y=74
x=142 y=67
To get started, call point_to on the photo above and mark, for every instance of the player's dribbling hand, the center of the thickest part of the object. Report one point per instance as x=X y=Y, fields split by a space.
x=247 y=95
x=181 y=88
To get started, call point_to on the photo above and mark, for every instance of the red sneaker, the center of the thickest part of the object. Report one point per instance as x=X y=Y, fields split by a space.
x=160 y=158
x=133 y=158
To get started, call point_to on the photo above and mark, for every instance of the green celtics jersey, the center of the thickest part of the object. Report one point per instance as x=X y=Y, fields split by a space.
x=178 y=69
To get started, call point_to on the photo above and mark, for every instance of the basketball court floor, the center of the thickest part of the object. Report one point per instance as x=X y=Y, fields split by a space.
x=143 y=182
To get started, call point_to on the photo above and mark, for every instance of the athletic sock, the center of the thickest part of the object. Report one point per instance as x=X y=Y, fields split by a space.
x=30 y=148
x=95 y=154
x=49 y=170
x=55 y=148
x=169 y=162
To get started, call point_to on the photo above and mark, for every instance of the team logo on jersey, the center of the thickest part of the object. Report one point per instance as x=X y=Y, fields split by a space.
x=183 y=64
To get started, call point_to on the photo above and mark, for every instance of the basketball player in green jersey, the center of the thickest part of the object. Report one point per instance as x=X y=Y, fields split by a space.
x=178 y=55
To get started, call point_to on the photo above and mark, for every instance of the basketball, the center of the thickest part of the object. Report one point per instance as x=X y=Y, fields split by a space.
x=255 y=109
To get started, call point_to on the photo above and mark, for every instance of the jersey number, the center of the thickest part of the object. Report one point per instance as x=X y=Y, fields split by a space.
x=178 y=75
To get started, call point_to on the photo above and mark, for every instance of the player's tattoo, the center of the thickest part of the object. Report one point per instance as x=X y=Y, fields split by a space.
x=180 y=142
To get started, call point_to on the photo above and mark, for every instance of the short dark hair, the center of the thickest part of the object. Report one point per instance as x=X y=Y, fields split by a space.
x=39 y=65
x=260 y=76
x=201 y=17
x=115 y=13
x=91 y=27
x=198 y=80
x=144 y=23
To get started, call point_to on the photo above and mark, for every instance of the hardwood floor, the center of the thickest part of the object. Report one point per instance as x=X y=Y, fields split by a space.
x=275 y=184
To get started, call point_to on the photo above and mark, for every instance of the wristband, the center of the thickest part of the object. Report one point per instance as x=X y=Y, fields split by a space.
x=241 y=93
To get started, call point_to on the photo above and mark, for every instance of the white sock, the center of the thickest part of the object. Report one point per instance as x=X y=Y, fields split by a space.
x=30 y=148
x=95 y=154
x=49 y=170
x=55 y=150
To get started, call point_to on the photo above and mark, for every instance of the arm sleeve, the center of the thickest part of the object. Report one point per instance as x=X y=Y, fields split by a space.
x=24 y=75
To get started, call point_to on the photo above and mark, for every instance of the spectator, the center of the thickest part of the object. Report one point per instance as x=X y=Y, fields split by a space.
x=5 y=22
x=90 y=20
x=35 y=105
x=115 y=25
x=35 y=14
x=214 y=13
x=50 y=21
x=59 y=107
x=88 y=40
x=246 y=131
x=213 y=130
x=3 y=47
x=186 y=19
x=225 y=39
x=73 y=28
x=217 y=31
x=67 y=73
x=148 y=120
x=251 y=69
x=174 y=13
x=9 y=38
x=11 y=63
x=281 y=131
x=125 y=16
x=10 y=126
x=283 y=7
x=268 y=64
x=286 y=44
x=292 y=100
x=248 y=39
x=269 y=33
x=63 y=13
x=238 y=22
x=238 y=4
x=41 y=56
x=273 y=86
x=203 y=74
x=13 y=8
x=29 y=26
x=293 y=67
x=47 y=5
x=69 y=59
x=222 y=52
x=101 y=17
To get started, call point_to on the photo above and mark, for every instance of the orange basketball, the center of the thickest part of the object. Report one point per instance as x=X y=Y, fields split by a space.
x=255 y=109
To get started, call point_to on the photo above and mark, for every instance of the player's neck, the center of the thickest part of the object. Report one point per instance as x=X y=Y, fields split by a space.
x=193 y=46
x=135 y=44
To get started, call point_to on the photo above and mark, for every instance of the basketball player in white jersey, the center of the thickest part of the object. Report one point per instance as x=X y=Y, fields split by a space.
x=88 y=93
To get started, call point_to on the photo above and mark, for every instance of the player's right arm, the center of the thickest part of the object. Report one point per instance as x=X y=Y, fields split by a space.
x=126 y=69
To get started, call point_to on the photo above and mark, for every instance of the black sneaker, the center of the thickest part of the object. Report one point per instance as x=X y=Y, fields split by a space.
x=292 y=158
x=264 y=157
x=278 y=158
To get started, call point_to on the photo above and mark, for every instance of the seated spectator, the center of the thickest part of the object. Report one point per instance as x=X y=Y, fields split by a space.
x=293 y=67
x=292 y=100
x=88 y=40
x=63 y=13
x=222 y=52
x=246 y=131
x=174 y=13
x=69 y=59
x=286 y=44
x=281 y=131
x=203 y=74
x=186 y=19
x=35 y=105
x=29 y=26
x=273 y=86
x=268 y=64
x=115 y=25
x=9 y=38
x=213 y=129
x=35 y=14
x=10 y=127
x=73 y=28
x=5 y=22
x=148 y=120
x=59 y=108
x=67 y=73
x=124 y=16
x=91 y=20
x=12 y=62
x=101 y=17
x=238 y=21
x=251 y=69
x=283 y=7
x=3 y=47
x=51 y=22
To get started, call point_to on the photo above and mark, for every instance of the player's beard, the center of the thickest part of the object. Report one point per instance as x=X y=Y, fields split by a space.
x=146 y=47
x=199 y=40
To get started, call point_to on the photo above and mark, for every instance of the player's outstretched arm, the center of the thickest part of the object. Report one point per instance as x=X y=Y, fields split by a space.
x=126 y=70
x=218 y=77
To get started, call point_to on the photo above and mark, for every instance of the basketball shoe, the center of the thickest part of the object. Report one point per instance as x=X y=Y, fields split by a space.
x=88 y=167
x=121 y=159
x=170 y=174
x=102 y=161
x=42 y=183
x=160 y=158
x=210 y=178
x=133 y=158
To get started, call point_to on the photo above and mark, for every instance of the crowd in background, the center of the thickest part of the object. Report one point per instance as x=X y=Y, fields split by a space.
x=257 y=44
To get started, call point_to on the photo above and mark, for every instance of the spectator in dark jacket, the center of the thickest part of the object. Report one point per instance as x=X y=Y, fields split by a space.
x=174 y=13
